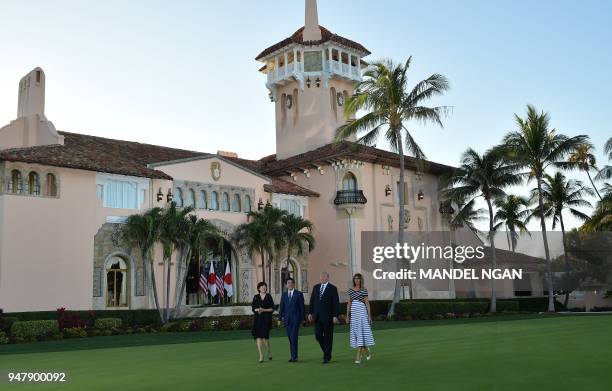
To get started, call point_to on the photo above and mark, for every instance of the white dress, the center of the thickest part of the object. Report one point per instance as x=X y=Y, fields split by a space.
x=361 y=331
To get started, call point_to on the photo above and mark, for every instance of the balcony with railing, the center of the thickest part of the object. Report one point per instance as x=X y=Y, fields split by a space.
x=350 y=198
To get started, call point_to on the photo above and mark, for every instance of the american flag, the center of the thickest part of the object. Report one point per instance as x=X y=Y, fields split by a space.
x=203 y=281
x=219 y=281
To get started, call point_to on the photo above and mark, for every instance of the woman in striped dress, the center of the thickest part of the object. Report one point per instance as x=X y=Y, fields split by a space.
x=358 y=314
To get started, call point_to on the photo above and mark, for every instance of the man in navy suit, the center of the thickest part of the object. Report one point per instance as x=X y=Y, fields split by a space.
x=291 y=312
x=323 y=310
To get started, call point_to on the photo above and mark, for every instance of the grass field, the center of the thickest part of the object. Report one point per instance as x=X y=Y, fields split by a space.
x=502 y=353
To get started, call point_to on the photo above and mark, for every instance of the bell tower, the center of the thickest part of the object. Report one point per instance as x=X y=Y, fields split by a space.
x=310 y=75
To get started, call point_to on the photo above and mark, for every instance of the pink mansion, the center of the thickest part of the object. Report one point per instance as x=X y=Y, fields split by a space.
x=62 y=193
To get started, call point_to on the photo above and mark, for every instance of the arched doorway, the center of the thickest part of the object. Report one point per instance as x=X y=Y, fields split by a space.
x=197 y=291
x=117 y=282
x=289 y=269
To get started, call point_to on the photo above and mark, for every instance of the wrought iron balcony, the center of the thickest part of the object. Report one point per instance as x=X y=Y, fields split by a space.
x=349 y=197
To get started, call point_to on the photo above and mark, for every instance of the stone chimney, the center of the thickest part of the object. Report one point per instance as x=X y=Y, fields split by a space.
x=31 y=128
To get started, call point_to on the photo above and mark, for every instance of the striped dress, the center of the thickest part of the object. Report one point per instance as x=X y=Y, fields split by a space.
x=361 y=331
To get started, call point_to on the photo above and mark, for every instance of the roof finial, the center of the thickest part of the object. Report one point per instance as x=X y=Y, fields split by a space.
x=312 y=32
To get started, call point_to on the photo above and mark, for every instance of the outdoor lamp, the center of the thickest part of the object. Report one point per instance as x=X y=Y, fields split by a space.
x=169 y=195
x=308 y=82
x=318 y=82
x=160 y=195
x=260 y=205
x=420 y=196
x=387 y=191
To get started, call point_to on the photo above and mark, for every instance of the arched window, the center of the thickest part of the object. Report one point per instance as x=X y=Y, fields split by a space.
x=203 y=200
x=225 y=202
x=214 y=201
x=190 y=198
x=117 y=282
x=236 y=203
x=33 y=183
x=288 y=271
x=247 y=203
x=51 y=186
x=178 y=197
x=15 y=184
x=349 y=182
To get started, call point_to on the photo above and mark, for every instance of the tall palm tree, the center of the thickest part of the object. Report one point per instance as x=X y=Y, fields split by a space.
x=262 y=234
x=202 y=235
x=384 y=94
x=173 y=235
x=483 y=176
x=584 y=160
x=559 y=195
x=513 y=213
x=141 y=231
x=297 y=233
x=535 y=146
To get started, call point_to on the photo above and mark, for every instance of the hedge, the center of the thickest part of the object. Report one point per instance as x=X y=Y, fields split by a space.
x=107 y=323
x=7 y=322
x=128 y=317
x=34 y=328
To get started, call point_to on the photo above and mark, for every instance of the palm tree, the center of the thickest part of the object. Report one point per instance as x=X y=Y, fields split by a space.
x=297 y=233
x=601 y=219
x=584 y=159
x=201 y=236
x=513 y=213
x=606 y=171
x=390 y=106
x=467 y=215
x=560 y=194
x=483 y=176
x=537 y=147
x=173 y=235
x=141 y=231
x=262 y=234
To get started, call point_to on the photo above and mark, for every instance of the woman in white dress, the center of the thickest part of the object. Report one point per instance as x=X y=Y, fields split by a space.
x=359 y=316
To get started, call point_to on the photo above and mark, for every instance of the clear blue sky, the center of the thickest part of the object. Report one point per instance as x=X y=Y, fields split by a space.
x=183 y=73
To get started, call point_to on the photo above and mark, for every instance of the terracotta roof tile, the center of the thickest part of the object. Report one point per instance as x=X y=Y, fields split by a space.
x=329 y=152
x=285 y=187
x=298 y=37
x=99 y=154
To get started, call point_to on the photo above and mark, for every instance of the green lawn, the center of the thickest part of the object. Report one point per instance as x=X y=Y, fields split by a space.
x=503 y=353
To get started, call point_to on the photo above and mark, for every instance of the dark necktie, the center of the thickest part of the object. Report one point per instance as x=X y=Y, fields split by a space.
x=290 y=295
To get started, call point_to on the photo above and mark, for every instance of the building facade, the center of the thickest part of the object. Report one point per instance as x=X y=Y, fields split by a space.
x=63 y=194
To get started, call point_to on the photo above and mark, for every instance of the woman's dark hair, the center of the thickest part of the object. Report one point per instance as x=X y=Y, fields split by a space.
x=261 y=284
x=358 y=275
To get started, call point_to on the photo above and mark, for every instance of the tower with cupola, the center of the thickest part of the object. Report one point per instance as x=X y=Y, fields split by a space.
x=309 y=76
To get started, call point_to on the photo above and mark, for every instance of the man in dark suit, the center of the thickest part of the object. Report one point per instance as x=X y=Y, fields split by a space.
x=324 y=309
x=291 y=312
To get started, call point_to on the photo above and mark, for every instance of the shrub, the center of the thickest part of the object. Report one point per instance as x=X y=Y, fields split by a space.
x=508 y=306
x=75 y=332
x=7 y=322
x=107 y=323
x=3 y=338
x=34 y=329
x=417 y=309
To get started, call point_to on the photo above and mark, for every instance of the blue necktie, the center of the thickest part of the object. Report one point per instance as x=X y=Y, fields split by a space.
x=321 y=291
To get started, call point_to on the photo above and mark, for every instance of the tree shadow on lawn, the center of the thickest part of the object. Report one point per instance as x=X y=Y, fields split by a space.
x=165 y=338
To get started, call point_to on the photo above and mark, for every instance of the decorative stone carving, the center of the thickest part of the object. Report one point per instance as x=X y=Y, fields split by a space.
x=97 y=282
x=244 y=286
